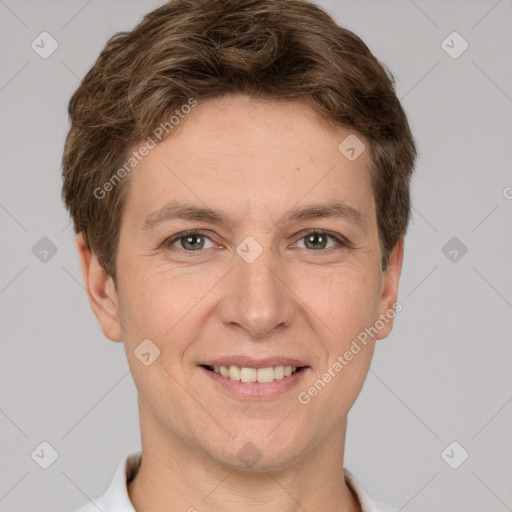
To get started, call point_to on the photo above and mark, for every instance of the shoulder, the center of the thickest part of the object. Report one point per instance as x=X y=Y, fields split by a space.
x=380 y=507
x=116 y=498
x=368 y=504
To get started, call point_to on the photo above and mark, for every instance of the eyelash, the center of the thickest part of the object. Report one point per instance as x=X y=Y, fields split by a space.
x=342 y=242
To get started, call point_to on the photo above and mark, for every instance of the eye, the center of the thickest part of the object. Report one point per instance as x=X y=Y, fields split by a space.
x=315 y=240
x=318 y=239
x=189 y=241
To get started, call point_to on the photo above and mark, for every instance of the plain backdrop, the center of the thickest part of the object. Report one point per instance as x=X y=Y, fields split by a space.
x=443 y=375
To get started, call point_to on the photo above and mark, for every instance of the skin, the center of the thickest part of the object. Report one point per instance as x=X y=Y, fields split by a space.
x=255 y=159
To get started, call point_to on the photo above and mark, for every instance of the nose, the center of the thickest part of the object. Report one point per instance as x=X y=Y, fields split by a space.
x=259 y=300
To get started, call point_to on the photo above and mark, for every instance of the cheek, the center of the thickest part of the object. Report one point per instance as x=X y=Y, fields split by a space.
x=345 y=303
x=345 y=300
x=162 y=304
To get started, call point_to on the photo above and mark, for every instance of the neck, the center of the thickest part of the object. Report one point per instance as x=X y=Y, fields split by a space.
x=176 y=474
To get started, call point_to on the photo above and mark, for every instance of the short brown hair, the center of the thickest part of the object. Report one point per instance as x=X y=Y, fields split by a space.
x=204 y=49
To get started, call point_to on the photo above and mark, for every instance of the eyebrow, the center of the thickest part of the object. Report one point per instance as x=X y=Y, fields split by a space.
x=175 y=210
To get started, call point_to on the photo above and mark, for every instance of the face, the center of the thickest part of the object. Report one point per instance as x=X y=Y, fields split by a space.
x=252 y=281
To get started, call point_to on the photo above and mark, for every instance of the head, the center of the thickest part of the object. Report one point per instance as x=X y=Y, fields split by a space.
x=242 y=110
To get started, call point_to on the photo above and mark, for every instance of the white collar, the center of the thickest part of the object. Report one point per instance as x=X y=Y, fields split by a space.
x=116 y=498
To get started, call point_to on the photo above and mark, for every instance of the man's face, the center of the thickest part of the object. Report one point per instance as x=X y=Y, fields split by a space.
x=260 y=285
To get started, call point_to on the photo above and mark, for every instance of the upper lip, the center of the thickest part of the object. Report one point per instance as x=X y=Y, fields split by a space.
x=250 y=362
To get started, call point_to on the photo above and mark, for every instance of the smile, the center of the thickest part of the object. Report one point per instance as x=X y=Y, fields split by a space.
x=245 y=374
x=244 y=382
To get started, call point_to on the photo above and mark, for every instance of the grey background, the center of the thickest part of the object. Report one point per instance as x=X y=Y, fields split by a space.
x=444 y=373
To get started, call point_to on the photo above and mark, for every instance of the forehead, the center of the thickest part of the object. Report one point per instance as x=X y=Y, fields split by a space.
x=236 y=151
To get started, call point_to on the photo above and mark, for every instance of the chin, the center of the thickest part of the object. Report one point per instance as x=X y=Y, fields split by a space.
x=259 y=450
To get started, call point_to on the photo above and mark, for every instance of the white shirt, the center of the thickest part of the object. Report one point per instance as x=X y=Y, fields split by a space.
x=116 y=498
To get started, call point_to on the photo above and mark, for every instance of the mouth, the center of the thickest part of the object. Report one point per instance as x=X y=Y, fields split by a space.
x=255 y=383
x=261 y=375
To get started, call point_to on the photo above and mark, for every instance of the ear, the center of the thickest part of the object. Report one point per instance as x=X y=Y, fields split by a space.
x=389 y=290
x=100 y=290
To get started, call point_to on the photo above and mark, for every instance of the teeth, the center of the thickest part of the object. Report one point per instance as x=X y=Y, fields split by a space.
x=278 y=372
x=244 y=374
x=248 y=374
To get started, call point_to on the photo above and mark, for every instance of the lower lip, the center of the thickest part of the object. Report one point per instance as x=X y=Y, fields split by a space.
x=256 y=390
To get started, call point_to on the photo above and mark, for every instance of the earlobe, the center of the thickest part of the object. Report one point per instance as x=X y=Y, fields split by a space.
x=389 y=290
x=100 y=291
